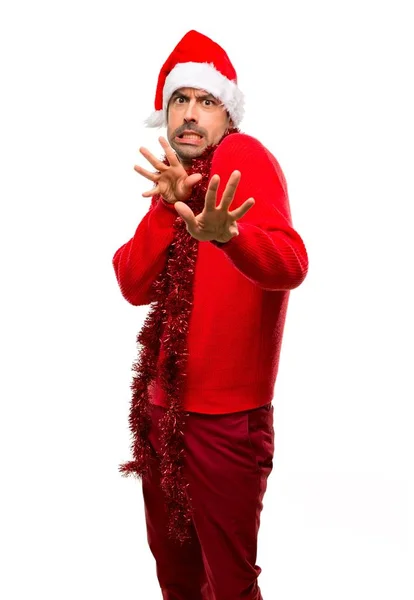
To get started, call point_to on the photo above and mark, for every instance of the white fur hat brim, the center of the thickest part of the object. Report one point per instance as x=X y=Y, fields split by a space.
x=203 y=76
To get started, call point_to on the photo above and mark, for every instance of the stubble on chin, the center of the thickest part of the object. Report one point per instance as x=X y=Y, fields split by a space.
x=187 y=154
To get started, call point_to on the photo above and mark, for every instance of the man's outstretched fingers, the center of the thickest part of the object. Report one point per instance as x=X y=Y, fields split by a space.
x=211 y=193
x=152 y=192
x=148 y=174
x=193 y=179
x=158 y=164
x=230 y=189
x=238 y=212
x=187 y=215
x=169 y=152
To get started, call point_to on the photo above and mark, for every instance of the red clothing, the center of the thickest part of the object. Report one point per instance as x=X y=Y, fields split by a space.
x=225 y=457
x=241 y=287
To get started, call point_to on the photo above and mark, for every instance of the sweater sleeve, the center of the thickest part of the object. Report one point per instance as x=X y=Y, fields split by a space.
x=139 y=262
x=268 y=250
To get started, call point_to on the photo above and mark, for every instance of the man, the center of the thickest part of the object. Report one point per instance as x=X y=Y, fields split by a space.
x=216 y=256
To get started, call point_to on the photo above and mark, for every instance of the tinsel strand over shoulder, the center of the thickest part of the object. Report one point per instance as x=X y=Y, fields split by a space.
x=170 y=309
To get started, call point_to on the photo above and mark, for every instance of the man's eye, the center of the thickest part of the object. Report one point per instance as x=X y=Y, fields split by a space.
x=179 y=98
x=208 y=101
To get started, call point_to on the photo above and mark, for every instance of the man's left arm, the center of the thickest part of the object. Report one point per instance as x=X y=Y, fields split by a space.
x=268 y=250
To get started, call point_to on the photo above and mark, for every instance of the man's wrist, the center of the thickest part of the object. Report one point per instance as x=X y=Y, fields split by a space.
x=220 y=244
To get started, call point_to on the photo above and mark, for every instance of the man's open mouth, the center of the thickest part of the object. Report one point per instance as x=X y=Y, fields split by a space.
x=189 y=137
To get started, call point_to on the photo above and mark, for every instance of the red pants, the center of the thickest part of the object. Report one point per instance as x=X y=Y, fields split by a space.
x=228 y=459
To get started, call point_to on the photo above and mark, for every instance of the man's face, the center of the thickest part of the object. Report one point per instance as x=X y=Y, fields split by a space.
x=196 y=119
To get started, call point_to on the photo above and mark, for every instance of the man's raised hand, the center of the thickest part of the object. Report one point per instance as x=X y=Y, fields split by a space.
x=216 y=222
x=170 y=181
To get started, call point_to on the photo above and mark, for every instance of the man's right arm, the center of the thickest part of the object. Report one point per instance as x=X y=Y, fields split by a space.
x=139 y=262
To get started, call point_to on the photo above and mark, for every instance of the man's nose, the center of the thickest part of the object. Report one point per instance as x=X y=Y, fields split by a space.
x=191 y=113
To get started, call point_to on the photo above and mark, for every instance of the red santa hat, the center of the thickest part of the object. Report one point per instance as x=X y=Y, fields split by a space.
x=197 y=62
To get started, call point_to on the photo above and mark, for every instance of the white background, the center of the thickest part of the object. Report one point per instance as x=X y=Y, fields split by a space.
x=328 y=91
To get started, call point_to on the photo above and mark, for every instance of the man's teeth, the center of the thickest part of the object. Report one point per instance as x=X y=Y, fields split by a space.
x=187 y=136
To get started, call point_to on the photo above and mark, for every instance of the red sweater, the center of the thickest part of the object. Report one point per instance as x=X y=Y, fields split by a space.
x=241 y=287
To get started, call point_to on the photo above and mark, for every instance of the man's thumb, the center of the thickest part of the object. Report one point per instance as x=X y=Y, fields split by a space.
x=193 y=179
